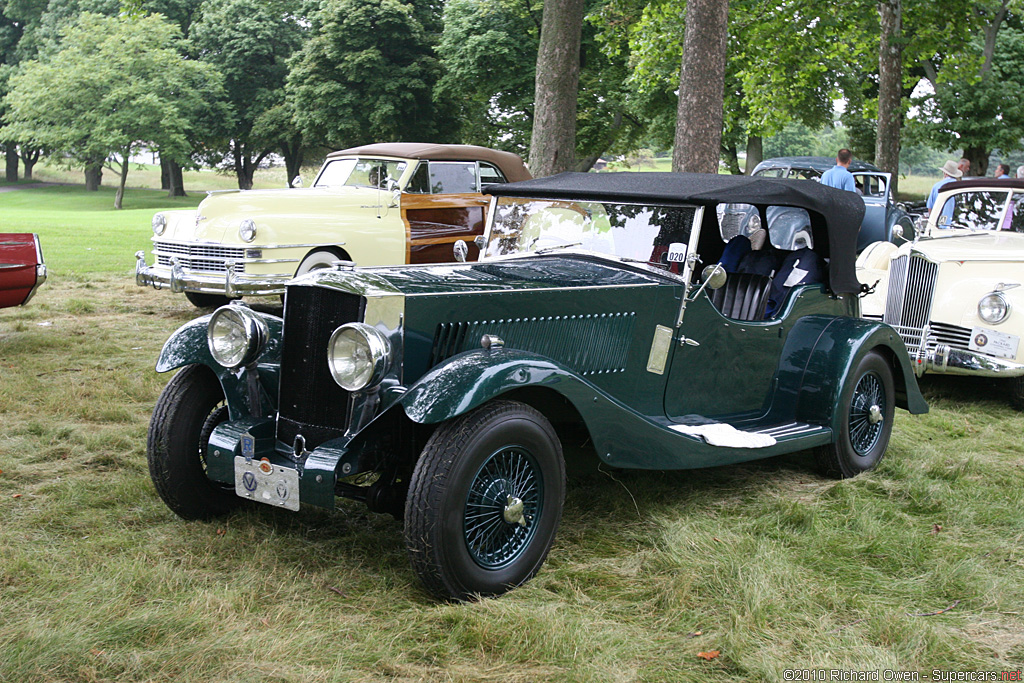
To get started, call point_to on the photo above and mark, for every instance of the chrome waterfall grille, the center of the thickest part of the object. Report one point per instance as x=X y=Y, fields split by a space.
x=210 y=258
x=909 y=300
x=591 y=344
x=310 y=402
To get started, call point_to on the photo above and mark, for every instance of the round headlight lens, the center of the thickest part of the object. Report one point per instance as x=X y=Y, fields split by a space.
x=358 y=355
x=993 y=308
x=247 y=230
x=159 y=224
x=235 y=335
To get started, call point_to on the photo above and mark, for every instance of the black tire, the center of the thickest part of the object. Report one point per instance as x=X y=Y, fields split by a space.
x=191 y=405
x=319 y=259
x=465 y=531
x=861 y=442
x=200 y=300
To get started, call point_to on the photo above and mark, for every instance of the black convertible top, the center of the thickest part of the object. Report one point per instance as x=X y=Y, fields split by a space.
x=836 y=215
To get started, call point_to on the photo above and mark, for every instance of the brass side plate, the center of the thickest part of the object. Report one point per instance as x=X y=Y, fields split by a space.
x=659 y=350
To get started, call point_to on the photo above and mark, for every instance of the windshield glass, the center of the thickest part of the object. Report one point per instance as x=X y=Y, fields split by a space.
x=360 y=173
x=983 y=210
x=655 y=234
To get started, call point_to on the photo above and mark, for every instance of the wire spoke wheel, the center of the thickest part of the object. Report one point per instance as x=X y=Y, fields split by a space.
x=867 y=410
x=503 y=506
x=484 y=501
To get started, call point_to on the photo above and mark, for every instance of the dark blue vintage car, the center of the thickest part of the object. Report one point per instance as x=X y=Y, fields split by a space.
x=612 y=302
x=884 y=220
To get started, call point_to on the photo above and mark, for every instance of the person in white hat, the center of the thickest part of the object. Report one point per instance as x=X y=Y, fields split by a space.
x=950 y=173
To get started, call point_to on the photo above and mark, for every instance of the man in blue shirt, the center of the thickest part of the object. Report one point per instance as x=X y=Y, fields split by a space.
x=950 y=173
x=1003 y=172
x=839 y=176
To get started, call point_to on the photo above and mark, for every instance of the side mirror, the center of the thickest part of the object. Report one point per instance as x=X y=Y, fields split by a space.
x=461 y=251
x=943 y=221
x=479 y=242
x=297 y=181
x=897 y=231
x=714 y=276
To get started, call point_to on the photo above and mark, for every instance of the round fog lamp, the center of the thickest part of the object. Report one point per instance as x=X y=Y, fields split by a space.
x=993 y=308
x=358 y=356
x=235 y=335
x=159 y=224
x=247 y=230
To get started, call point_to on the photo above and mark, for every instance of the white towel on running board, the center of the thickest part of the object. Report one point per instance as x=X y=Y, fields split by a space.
x=721 y=434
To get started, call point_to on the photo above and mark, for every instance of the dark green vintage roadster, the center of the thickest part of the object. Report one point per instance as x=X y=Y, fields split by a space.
x=611 y=301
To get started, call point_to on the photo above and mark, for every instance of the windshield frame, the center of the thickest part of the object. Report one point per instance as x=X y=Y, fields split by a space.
x=933 y=230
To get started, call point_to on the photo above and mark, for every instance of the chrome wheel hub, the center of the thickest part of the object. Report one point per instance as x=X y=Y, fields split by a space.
x=514 y=511
x=874 y=414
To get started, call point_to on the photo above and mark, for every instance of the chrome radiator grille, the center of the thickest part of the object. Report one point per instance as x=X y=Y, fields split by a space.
x=210 y=258
x=953 y=336
x=909 y=300
x=590 y=344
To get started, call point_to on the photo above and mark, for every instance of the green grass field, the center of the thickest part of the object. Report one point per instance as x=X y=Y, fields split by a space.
x=916 y=566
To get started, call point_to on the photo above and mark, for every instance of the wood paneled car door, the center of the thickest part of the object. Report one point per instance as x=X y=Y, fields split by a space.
x=442 y=204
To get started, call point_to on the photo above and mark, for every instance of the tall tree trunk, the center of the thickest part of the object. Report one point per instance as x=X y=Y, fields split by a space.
x=29 y=159
x=125 y=163
x=553 y=141
x=12 y=162
x=177 y=186
x=93 y=175
x=732 y=159
x=978 y=156
x=701 y=87
x=292 y=152
x=890 y=90
x=755 y=153
x=165 y=174
x=243 y=168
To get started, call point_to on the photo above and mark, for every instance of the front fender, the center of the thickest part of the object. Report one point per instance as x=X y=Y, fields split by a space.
x=820 y=354
x=470 y=379
x=246 y=393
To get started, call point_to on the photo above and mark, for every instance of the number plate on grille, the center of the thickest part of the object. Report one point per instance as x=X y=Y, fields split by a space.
x=994 y=343
x=267 y=483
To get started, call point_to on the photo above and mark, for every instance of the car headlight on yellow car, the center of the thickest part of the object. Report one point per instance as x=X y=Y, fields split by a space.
x=359 y=356
x=235 y=335
x=993 y=308
x=159 y=224
x=247 y=230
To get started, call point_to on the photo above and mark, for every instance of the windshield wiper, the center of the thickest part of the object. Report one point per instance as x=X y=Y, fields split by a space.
x=555 y=247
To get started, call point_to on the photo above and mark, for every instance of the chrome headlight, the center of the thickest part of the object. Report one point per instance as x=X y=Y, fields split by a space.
x=897 y=231
x=159 y=224
x=993 y=308
x=236 y=335
x=358 y=355
x=247 y=230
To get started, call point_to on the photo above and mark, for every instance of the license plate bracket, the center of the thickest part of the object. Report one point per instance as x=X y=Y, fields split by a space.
x=265 y=482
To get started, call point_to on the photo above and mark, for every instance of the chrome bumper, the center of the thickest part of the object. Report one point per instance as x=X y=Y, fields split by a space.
x=178 y=279
x=950 y=361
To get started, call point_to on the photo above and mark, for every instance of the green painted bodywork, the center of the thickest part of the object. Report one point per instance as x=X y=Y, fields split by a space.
x=580 y=327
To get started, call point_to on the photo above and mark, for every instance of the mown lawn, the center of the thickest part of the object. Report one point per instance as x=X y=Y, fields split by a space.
x=916 y=566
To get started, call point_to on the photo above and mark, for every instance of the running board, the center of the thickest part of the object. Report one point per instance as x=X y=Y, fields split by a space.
x=791 y=430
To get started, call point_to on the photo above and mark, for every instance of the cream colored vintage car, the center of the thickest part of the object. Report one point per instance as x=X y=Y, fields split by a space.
x=381 y=204
x=955 y=294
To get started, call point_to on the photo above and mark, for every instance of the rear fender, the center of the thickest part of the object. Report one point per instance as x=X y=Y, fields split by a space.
x=822 y=351
x=247 y=393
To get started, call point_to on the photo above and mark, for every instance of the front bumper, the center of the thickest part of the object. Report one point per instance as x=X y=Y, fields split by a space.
x=951 y=361
x=231 y=283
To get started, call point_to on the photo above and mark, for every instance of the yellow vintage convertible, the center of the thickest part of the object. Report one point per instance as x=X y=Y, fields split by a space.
x=379 y=204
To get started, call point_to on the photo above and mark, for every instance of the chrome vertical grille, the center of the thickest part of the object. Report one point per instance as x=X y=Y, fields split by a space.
x=909 y=300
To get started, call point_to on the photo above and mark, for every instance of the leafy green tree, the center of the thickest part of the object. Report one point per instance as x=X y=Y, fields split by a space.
x=489 y=50
x=367 y=74
x=113 y=87
x=249 y=43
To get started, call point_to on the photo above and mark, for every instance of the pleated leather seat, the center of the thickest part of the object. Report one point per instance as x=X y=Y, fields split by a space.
x=743 y=297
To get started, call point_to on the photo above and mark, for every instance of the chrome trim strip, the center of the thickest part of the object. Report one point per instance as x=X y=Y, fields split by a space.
x=248 y=245
x=945 y=360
